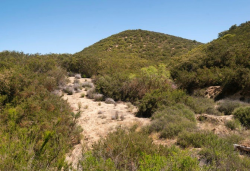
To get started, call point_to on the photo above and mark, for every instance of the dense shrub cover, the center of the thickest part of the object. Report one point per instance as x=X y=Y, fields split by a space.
x=218 y=153
x=132 y=150
x=228 y=106
x=127 y=52
x=36 y=126
x=224 y=61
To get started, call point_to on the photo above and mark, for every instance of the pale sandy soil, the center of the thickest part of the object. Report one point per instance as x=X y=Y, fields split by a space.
x=96 y=125
x=214 y=123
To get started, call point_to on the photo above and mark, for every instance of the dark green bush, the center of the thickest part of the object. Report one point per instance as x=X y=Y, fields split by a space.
x=243 y=115
x=172 y=120
x=157 y=99
x=111 y=86
x=131 y=87
x=223 y=62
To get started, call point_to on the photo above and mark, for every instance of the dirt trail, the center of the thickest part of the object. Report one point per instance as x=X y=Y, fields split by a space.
x=96 y=119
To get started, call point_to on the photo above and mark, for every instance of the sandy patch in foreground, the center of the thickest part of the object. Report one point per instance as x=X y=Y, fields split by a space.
x=96 y=119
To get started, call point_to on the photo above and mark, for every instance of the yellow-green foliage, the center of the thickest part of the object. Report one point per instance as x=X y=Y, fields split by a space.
x=131 y=150
x=133 y=87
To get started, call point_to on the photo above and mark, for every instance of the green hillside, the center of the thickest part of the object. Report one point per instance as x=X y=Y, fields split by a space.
x=224 y=61
x=154 y=72
x=130 y=50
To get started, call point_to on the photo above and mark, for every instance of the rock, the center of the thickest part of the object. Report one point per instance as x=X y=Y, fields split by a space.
x=241 y=148
x=109 y=101
x=69 y=90
x=78 y=76
x=97 y=96
x=113 y=117
x=213 y=91
x=88 y=84
x=122 y=117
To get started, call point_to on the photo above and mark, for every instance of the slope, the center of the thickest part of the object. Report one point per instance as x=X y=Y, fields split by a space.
x=224 y=62
x=128 y=51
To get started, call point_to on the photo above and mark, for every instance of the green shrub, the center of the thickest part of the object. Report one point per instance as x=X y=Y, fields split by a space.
x=201 y=105
x=195 y=139
x=152 y=162
x=199 y=139
x=40 y=127
x=223 y=62
x=148 y=79
x=227 y=106
x=111 y=86
x=36 y=127
x=233 y=124
x=218 y=153
x=132 y=150
x=182 y=160
x=124 y=147
x=157 y=99
x=243 y=115
x=91 y=163
x=172 y=120
x=178 y=125
x=176 y=160
x=199 y=92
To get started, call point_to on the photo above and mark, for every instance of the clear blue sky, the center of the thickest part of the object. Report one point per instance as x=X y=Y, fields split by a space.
x=68 y=26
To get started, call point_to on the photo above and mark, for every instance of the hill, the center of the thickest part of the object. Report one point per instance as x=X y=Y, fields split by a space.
x=224 y=62
x=130 y=50
x=44 y=116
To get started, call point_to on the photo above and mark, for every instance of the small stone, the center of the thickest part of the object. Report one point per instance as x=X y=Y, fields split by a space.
x=116 y=115
x=113 y=117
x=122 y=117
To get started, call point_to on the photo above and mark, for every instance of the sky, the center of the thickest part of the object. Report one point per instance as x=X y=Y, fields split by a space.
x=68 y=26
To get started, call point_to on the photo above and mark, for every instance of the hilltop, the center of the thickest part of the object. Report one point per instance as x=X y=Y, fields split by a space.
x=130 y=50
